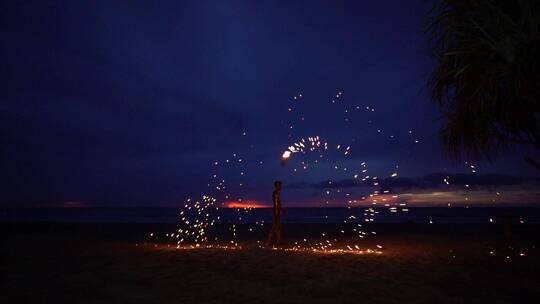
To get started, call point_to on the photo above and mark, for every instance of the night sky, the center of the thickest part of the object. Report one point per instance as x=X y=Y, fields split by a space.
x=109 y=103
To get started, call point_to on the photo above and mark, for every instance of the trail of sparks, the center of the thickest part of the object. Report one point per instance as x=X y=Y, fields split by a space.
x=198 y=216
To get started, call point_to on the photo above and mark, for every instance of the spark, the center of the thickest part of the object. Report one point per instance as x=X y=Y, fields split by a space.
x=286 y=154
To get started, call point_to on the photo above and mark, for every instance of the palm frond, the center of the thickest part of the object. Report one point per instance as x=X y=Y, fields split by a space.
x=487 y=80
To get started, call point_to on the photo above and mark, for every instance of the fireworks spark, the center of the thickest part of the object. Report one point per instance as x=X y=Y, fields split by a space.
x=198 y=216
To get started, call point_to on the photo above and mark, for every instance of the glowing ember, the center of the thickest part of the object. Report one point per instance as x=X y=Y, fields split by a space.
x=286 y=154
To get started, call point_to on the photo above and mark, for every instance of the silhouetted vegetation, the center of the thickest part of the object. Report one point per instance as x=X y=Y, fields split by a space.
x=487 y=77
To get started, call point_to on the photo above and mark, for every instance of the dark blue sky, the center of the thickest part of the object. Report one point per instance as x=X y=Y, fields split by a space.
x=111 y=103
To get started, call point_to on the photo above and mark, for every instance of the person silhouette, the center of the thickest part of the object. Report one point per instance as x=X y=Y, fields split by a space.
x=274 y=237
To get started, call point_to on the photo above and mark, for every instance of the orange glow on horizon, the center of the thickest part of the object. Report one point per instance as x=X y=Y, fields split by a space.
x=247 y=204
x=380 y=199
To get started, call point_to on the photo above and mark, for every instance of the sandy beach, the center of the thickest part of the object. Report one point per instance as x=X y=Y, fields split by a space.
x=108 y=263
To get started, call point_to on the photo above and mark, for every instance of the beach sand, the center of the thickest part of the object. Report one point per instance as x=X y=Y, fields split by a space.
x=108 y=263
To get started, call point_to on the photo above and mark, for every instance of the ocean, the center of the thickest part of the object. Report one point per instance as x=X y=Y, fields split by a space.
x=420 y=215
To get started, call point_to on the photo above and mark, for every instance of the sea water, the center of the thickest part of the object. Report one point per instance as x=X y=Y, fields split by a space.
x=420 y=215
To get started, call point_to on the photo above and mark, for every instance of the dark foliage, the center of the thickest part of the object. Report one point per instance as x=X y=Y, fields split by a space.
x=487 y=80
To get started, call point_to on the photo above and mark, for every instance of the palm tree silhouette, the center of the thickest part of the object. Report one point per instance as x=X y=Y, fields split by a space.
x=487 y=78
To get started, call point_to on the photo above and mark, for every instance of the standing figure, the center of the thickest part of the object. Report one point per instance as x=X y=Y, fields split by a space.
x=274 y=237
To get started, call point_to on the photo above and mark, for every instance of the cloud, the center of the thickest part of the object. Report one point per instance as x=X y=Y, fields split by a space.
x=432 y=190
x=506 y=197
x=426 y=182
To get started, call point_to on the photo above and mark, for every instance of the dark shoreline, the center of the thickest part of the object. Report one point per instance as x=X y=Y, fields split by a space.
x=141 y=231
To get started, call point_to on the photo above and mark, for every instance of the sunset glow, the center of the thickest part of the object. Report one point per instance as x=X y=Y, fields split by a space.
x=247 y=204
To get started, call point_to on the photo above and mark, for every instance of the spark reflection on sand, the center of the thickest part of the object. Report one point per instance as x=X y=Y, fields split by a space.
x=317 y=251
